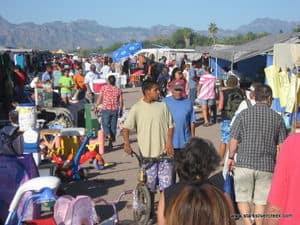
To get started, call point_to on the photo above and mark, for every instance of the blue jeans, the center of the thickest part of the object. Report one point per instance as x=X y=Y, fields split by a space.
x=192 y=95
x=109 y=122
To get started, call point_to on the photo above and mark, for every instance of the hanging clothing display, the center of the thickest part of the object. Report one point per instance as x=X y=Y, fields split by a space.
x=273 y=79
x=284 y=89
x=19 y=60
x=6 y=84
x=292 y=93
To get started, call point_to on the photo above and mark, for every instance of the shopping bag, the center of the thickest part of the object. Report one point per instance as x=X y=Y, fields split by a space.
x=229 y=185
x=228 y=188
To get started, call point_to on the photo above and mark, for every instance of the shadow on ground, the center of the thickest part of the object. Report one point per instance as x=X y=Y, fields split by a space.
x=93 y=188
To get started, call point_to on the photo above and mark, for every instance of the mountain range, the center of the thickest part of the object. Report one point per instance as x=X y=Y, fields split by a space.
x=88 y=34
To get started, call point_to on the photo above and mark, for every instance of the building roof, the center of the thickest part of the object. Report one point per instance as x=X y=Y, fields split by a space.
x=15 y=50
x=260 y=46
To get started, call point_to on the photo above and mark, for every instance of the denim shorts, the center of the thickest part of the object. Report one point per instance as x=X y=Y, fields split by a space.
x=225 y=131
x=64 y=95
x=161 y=172
x=207 y=101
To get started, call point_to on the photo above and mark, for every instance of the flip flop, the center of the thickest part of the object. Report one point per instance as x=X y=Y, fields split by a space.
x=206 y=125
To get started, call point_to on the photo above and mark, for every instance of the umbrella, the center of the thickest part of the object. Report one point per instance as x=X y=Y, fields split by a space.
x=126 y=50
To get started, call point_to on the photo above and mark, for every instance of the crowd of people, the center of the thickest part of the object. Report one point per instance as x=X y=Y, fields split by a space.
x=190 y=186
x=251 y=133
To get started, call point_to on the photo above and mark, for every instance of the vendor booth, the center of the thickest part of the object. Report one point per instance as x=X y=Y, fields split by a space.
x=284 y=79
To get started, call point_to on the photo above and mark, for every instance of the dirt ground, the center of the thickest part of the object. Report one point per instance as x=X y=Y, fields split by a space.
x=109 y=183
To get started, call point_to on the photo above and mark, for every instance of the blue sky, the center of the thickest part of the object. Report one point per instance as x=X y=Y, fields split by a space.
x=196 y=14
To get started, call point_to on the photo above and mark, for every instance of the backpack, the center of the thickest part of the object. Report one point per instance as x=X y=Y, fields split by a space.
x=233 y=101
x=11 y=143
x=162 y=84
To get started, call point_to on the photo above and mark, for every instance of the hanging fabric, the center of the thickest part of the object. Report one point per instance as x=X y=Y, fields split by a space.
x=294 y=85
x=284 y=84
x=273 y=79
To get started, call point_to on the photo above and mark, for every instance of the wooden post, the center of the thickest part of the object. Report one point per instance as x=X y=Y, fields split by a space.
x=297 y=74
x=294 y=125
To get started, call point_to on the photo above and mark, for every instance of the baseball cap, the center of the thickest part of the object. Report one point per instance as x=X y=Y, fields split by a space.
x=251 y=88
x=178 y=85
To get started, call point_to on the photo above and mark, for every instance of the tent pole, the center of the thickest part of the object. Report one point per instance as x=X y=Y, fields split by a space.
x=232 y=61
x=216 y=67
x=294 y=125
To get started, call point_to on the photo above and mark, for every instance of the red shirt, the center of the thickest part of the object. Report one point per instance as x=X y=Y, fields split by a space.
x=111 y=97
x=284 y=191
x=20 y=78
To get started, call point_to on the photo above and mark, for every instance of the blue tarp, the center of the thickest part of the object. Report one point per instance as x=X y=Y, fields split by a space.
x=126 y=50
x=251 y=68
x=217 y=65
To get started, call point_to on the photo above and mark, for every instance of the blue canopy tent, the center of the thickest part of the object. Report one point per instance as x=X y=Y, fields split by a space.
x=251 y=58
x=126 y=50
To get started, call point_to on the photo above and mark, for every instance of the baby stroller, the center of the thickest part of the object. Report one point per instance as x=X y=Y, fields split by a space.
x=67 y=210
x=42 y=189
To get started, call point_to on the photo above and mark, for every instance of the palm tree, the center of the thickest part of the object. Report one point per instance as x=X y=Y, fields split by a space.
x=187 y=34
x=213 y=29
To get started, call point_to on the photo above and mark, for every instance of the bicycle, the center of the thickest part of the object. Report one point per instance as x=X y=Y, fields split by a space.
x=141 y=200
x=142 y=191
x=141 y=195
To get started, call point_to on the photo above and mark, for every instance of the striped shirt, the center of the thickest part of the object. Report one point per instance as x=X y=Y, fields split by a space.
x=207 y=90
x=259 y=130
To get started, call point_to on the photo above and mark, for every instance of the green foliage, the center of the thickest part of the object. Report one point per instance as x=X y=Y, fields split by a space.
x=112 y=48
x=100 y=50
x=213 y=29
x=187 y=35
x=178 y=38
x=201 y=40
x=184 y=38
x=241 y=39
x=84 y=52
x=297 y=29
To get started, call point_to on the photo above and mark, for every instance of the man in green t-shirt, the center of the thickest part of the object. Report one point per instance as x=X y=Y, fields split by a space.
x=154 y=126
